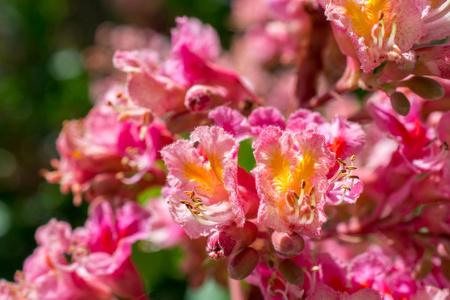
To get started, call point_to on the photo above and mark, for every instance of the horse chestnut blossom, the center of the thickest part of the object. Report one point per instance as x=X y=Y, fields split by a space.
x=90 y=262
x=308 y=160
x=202 y=180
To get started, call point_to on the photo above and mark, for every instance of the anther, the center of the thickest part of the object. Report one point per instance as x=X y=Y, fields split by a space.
x=302 y=184
x=341 y=161
x=351 y=168
x=189 y=193
x=346 y=187
x=352 y=158
x=300 y=199
x=312 y=189
x=291 y=198
x=353 y=177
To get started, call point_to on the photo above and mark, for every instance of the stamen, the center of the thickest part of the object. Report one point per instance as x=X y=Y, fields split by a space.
x=338 y=172
x=341 y=161
x=303 y=220
x=373 y=33
x=187 y=203
x=300 y=199
x=291 y=198
x=346 y=187
x=200 y=220
x=311 y=218
x=381 y=35
x=312 y=190
x=390 y=42
x=208 y=217
x=437 y=11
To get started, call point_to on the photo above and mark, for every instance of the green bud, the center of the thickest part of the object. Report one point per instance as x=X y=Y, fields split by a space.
x=243 y=263
x=400 y=103
x=425 y=87
x=291 y=272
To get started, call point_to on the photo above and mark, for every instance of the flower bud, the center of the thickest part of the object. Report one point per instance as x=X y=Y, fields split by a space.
x=222 y=244
x=425 y=87
x=288 y=244
x=219 y=245
x=202 y=97
x=400 y=103
x=291 y=272
x=399 y=70
x=243 y=263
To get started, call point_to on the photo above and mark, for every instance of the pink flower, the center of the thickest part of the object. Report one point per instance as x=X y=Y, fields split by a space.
x=291 y=179
x=99 y=151
x=188 y=80
x=199 y=38
x=262 y=117
x=435 y=18
x=203 y=181
x=433 y=61
x=231 y=121
x=91 y=262
x=108 y=236
x=49 y=274
x=140 y=146
x=88 y=148
x=379 y=30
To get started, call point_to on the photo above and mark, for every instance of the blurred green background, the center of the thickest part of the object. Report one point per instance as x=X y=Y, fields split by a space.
x=42 y=83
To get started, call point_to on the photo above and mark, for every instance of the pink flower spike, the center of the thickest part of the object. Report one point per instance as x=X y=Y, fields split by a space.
x=291 y=179
x=231 y=121
x=262 y=117
x=203 y=181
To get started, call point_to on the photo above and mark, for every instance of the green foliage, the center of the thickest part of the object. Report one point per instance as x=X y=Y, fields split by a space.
x=245 y=155
x=209 y=290
x=149 y=193
x=159 y=272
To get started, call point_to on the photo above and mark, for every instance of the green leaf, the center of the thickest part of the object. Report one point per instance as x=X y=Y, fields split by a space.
x=149 y=193
x=245 y=155
x=159 y=271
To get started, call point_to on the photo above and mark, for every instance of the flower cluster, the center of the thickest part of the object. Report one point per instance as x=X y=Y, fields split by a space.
x=301 y=196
